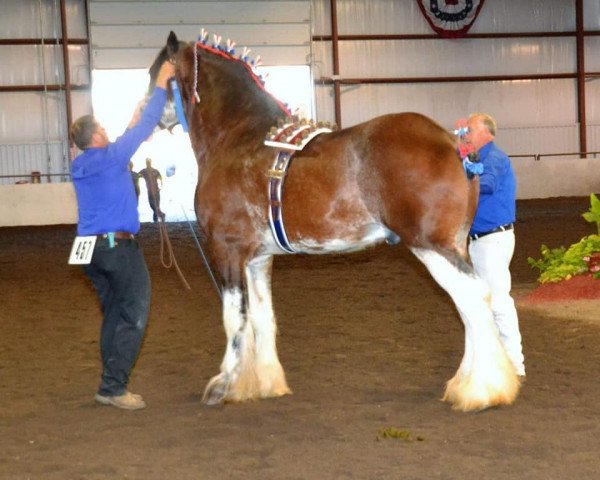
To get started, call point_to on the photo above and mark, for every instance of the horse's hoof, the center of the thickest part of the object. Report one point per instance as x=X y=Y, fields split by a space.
x=216 y=390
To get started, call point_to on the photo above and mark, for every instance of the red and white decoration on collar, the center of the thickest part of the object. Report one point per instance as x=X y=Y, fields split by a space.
x=450 y=18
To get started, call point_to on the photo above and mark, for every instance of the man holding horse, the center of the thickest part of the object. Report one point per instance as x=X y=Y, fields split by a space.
x=108 y=214
x=492 y=238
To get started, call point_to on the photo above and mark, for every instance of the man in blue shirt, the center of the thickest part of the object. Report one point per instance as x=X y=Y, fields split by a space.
x=492 y=238
x=107 y=207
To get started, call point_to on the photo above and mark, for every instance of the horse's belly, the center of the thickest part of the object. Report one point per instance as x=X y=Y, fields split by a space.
x=349 y=242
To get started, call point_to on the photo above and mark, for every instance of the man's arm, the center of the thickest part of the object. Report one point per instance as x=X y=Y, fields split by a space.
x=494 y=169
x=166 y=72
x=145 y=118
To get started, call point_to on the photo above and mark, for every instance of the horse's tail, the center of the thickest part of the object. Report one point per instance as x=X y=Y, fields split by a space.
x=472 y=173
x=472 y=197
x=472 y=201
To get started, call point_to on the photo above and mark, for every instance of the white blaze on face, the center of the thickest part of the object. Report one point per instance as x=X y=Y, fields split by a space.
x=169 y=115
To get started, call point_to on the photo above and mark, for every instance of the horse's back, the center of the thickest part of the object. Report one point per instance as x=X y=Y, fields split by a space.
x=409 y=130
x=398 y=170
x=396 y=137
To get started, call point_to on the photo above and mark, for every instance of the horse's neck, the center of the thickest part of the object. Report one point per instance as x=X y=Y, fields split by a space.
x=234 y=110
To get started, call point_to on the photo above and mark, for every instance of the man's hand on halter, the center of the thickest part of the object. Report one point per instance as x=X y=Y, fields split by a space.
x=138 y=112
x=167 y=71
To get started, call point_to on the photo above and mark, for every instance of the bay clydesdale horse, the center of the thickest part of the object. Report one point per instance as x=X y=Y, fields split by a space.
x=396 y=178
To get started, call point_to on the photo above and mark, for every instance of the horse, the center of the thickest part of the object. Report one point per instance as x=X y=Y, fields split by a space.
x=396 y=178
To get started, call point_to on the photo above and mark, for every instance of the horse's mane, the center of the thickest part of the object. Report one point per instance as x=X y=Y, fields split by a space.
x=249 y=65
x=219 y=85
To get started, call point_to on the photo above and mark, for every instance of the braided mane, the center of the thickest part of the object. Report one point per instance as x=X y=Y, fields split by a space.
x=227 y=51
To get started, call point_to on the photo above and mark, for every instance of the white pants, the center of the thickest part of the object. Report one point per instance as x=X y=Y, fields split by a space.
x=491 y=256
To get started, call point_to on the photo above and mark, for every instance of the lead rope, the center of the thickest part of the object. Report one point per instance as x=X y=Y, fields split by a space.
x=165 y=240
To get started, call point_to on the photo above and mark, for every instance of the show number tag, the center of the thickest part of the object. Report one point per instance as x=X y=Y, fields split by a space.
x=82 y=250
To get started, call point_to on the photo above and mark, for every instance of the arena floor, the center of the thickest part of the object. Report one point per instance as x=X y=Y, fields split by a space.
x=367 y=340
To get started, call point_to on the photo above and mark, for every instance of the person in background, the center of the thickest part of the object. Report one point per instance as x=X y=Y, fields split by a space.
x=492 y=237
x=153 y=180
x=108 y=210
x=135 y=178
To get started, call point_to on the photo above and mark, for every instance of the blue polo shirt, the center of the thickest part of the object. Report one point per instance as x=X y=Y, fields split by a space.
x=105 y=193
x=497 y=191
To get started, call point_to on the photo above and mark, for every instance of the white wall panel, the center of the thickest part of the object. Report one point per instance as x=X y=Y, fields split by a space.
x=79 y=64
x=42 y=65
x=25 y=19
x=76 y=18
x=592 y=100
x=31 y=64
x=137 y=46
x=31 y=117
x=443 y=58
x=22 y=159
x=556 y=177
x=591 y=14
x=593 y=138
x=33 y=125
x=592 y=58
x=507 y=16
x=533 y=140
x=45 y=204
x=114 y=58
x=143 y=36
x=324 y=99
x=199 y=13
x=362 y=17
x=322 y=64
x=81 y=103
x=513 y=104
x=124 y=33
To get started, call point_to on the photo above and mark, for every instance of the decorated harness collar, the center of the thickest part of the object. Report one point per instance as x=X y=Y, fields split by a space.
x=288 y=137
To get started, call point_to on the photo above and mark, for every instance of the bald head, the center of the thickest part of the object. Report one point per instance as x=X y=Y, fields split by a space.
x=482 y=130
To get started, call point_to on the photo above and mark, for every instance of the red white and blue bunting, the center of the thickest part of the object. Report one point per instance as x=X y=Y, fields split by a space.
x=450 y=18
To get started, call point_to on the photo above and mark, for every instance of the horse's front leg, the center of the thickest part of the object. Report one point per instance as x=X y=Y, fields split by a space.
x=237 y=381
x=271 y=378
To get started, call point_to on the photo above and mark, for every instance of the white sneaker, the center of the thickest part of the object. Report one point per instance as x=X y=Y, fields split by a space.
x=127 y=401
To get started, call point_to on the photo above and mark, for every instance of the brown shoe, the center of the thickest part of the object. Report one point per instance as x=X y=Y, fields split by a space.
x=127 y=401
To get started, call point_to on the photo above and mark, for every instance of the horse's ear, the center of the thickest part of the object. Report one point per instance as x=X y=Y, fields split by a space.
x=172 y=44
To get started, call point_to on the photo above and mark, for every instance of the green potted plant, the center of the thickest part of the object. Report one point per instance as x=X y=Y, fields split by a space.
x=561 y=263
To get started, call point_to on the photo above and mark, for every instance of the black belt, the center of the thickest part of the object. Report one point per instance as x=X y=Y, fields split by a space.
x=501 y=228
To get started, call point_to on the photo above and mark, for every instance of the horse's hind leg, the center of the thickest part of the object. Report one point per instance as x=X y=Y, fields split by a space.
x=486 y=377
x=271 y=378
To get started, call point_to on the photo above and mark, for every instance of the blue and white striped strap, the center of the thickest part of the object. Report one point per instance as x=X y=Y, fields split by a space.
x=276 y=178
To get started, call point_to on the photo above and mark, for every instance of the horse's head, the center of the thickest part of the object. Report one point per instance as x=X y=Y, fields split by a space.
x=224 y=101
x=168 y=53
